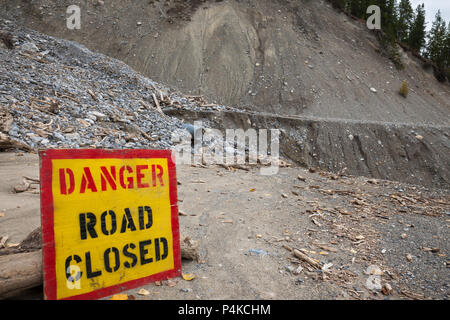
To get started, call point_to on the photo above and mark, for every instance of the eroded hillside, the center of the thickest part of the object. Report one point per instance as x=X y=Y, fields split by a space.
x=284 y=57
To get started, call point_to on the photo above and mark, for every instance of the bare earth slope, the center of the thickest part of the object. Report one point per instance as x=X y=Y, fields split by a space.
x=283 y=57
x=58 y=94
x=245 y=221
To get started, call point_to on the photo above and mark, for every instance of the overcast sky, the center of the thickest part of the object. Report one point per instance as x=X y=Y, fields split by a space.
x=431 y=7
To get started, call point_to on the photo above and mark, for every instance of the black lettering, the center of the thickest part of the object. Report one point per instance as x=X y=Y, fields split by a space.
x=107 y=262
x=87 y=226
x=89 y=273
x=131 y=255
x=158 y=249
x=141 y=217
x=144 y=251
x=68 y=273
x=113 y=222
x=127 y=221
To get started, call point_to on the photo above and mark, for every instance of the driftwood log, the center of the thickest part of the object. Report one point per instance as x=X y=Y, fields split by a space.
x=19 y=272
x=21 y=266
x=7 y=143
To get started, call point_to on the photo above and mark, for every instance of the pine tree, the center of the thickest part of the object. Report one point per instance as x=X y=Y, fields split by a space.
x=405 y=19
x=388 y=17
x=357 y=8
x=436 y=48
x=416 y=38
x=341 y=4
x=447 y=47
x=391 y=18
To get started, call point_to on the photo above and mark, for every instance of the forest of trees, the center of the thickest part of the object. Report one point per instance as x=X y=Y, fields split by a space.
x=405 y=24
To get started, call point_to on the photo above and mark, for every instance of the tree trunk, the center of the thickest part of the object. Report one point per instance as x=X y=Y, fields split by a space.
x=21 y=269
x=19 y=272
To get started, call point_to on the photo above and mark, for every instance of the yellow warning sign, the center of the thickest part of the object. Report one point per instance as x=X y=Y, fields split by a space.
x=109 y=221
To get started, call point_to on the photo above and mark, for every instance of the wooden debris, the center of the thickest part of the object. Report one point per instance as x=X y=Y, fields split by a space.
x=387 y=289
x=304 y=257
x=3 y=241
x=157 y=106
x=411 y=295
x=189 y=248
x=92 y=94
x=7 y=143
x=326 y=248
x=182 y=213
x=19 y=272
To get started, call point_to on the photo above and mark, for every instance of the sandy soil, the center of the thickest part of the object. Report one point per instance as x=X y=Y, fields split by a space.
x=245 y=221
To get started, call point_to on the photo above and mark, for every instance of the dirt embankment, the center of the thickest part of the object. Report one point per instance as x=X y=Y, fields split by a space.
x=401 y=152
x=283 y=57
x=318 y=74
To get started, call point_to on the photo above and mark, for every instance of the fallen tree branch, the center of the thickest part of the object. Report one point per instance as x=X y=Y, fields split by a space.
x=19 y=272
x=21 y=269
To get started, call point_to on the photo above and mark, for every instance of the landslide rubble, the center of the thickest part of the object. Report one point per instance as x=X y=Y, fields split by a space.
x=58 y=94
x=287 y=57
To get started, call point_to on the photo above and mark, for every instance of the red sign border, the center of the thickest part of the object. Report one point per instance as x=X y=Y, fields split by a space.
x=47 y=220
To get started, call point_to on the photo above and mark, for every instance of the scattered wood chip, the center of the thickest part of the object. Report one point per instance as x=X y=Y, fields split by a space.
x=327 y=248
x=171 y=282
x=3 y=241
x=198 y=181
x=12 y=245
x=411 y=295
x=344 y=212
x=304 y=257
x=315 y=222
x=22 y=187
x=387 y=289
x=92 y=94
x=189 y=248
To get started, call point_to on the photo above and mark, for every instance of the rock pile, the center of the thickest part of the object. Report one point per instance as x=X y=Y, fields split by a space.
x=57 y=94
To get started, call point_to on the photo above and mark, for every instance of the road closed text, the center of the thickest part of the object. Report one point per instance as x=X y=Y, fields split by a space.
x=112 y=221
x=126 y=255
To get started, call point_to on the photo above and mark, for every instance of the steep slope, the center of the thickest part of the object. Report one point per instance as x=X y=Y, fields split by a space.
x=58 y=94
x=284 y=57
x=55 y=93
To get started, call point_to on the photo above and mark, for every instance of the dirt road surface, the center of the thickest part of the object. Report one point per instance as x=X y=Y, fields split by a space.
x=246 y=222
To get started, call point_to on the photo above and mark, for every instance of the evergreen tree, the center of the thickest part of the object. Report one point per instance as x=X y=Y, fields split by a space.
x=436 y=48
x=391 y=18
x=388 y=16
x=447 y=48
x=405 y=19
x=416 y=38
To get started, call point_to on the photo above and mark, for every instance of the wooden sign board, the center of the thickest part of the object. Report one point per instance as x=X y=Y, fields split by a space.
x=109 y=221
